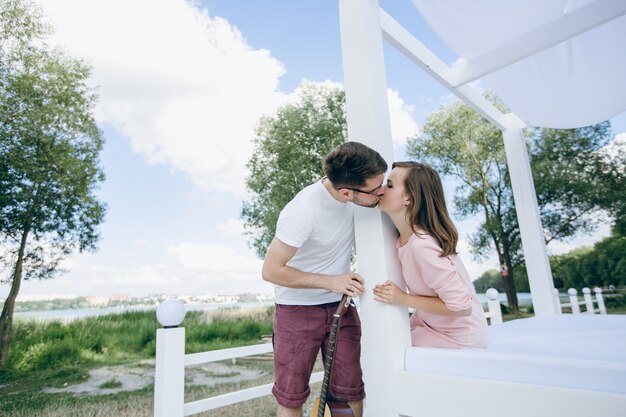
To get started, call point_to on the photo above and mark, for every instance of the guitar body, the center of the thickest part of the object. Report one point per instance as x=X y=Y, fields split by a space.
x=332 y=409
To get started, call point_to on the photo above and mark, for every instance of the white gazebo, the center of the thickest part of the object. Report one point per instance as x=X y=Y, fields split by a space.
x=555 y=63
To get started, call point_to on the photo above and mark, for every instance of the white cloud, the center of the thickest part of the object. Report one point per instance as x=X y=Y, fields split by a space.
x=403 y=125
x=191 y=268
x=220 y=269
x=559 y=247
x=214 y=258
x=475 y=269
x=184 y=87
x=232 y=228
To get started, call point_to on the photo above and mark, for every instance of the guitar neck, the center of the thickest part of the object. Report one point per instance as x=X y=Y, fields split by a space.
x=330 y=356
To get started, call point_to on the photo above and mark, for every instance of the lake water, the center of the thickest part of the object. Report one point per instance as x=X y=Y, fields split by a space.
x=523 y=298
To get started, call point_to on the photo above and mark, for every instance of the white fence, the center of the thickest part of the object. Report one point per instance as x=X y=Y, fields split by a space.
x=171 y=361
x=587 y=301
x=494 y=311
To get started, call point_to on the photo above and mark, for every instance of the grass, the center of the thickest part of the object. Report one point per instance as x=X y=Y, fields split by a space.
x=615 y=303
x=111 y=383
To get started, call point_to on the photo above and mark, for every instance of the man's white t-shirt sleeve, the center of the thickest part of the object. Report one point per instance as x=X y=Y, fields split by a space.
x=295 y=224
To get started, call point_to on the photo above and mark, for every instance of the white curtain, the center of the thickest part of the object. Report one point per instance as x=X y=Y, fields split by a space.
x=579 y=82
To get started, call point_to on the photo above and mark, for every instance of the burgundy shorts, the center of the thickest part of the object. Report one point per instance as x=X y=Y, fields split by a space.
x=299 y=333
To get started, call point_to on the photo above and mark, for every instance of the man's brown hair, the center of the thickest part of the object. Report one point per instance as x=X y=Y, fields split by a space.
x=351 y=164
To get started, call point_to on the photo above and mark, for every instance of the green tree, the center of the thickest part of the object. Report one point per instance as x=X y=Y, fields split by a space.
x=288 y=152
x=602 y=265
x=488 y=279
x=459 y=143
x=49 y=148
x=574 y=179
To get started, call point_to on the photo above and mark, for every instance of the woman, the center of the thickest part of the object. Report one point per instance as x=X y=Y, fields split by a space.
x=447 y=311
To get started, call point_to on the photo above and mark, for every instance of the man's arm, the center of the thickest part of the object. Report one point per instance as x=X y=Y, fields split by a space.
x=276 y=271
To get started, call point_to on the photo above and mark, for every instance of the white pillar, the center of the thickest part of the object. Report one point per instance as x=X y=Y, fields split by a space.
x=493 y=304
x=600 y=300
x=385 y=328
x=169 y=379
x=573 y=300
x=557 y=301
x=588 y=300
x=531 y=230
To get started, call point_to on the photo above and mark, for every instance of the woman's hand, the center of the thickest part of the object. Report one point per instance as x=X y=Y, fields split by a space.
x=389 y=293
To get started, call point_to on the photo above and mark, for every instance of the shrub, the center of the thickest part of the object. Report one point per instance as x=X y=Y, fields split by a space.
x=48 y=356
x=615 y=302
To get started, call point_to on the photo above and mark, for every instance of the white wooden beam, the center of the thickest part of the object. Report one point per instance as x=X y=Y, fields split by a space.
x=527 y=210
x=419 y=54
x=578 y=21
x=421 y=394
x=385 y=328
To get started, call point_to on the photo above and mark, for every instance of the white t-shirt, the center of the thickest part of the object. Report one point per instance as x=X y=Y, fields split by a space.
x=322 y=229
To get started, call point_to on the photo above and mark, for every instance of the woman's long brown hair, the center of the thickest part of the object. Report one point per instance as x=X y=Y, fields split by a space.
x=427 y=211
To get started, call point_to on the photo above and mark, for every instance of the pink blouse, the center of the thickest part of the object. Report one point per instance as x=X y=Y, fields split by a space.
x=428 y=274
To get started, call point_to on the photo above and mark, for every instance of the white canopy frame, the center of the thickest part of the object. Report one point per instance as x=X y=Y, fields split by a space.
x=363 y=27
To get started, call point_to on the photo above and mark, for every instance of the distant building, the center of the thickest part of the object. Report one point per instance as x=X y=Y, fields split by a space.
x=44 y=297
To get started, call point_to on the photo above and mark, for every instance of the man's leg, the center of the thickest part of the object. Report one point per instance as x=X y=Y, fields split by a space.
x=357 y=408
x=298 y=334
x=288 y=412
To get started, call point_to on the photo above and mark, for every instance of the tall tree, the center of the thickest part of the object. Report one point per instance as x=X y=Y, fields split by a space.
x=49 y=149
x=288 y=151
x=566 y=164
x=574 y=179
x=603 y=264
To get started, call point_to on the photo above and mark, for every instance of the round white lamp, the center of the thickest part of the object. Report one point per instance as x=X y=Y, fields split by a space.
x=170 y=313
x=492 y=294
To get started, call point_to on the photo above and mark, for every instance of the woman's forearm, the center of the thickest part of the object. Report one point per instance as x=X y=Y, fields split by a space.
x=433 y=305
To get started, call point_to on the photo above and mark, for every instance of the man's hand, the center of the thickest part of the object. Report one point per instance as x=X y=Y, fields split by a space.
x=276 y=271
x=350 y=284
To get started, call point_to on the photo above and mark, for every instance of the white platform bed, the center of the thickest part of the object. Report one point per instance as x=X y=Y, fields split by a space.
x=562 y=365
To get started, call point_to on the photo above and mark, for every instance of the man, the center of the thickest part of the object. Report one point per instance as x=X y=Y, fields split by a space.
x=309 y=261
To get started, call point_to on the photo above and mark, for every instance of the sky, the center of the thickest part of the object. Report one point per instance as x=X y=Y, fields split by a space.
x=181 y=87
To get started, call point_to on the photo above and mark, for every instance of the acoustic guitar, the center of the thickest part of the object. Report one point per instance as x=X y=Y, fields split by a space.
x=323 y=406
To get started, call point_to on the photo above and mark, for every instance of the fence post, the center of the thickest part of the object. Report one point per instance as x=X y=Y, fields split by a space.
x=557 y=300
x=573 y=300
x=493 y=304
x=600 y=300
x=588 y=300
x=169 y=378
